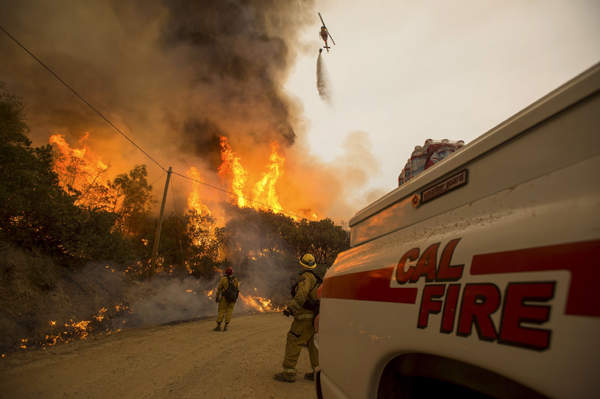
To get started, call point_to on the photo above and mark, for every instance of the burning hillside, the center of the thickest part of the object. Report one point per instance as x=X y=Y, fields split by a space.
x=81 y=170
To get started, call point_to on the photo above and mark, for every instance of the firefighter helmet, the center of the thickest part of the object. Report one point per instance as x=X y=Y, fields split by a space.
x=308 y=261
x=229 y=270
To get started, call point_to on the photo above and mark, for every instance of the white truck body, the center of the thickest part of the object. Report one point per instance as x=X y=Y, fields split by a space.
x=490 y=281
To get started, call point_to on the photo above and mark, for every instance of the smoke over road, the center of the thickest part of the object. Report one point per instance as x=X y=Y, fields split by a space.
x=323 y=84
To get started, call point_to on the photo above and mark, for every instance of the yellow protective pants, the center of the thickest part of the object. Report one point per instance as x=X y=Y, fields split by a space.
x=225 y=308
x=301 y=332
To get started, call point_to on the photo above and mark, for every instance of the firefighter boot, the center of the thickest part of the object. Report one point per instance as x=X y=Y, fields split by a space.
x=284 y=377
x=225 y=328
x=218 y=327
x=310 y=376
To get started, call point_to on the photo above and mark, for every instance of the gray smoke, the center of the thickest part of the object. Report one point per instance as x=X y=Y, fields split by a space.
x=323 y=84
x=165 y=300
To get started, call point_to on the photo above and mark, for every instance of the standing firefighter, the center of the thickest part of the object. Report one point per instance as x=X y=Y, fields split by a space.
x=229 y=287
x=304 y=307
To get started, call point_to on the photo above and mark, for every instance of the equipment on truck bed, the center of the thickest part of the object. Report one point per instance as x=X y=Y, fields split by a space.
x=422 y=158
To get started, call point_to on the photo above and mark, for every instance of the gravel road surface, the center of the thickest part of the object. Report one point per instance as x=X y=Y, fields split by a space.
x=186 y=360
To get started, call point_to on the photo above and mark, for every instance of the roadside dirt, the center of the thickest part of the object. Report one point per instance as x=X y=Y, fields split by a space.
x=186 y=360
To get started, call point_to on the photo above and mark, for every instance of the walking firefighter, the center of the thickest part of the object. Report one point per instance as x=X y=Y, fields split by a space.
x=304 y=306
x=227 y=294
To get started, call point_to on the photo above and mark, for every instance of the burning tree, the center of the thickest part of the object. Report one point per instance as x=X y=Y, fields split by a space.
x=36 y=211
x=79 y=172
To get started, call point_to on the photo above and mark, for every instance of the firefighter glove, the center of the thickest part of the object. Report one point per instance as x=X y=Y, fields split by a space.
x=218 y=299
x=287 y=312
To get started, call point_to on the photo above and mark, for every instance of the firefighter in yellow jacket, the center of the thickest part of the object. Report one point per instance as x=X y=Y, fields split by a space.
x=226 y=298
x=303 y=307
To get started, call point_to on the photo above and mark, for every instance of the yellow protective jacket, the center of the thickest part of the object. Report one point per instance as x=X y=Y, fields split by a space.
x=224 y=284
x=307 y=286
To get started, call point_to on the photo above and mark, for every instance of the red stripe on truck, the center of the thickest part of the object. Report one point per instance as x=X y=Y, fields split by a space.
x=372 y=285
x=582 y=259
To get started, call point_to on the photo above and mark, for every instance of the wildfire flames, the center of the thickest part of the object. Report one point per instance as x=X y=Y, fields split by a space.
x=75 y=163
x=232 y=168
x=195 y=197
x=258 y=304
x=234 y=176
x=80 y=169
x=265 y=189
x=78 y=330
x=253 y=303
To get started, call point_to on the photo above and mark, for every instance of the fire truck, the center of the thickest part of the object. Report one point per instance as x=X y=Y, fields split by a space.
x=481 y=276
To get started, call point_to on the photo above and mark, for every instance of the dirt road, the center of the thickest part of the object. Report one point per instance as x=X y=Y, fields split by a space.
x=186 y=360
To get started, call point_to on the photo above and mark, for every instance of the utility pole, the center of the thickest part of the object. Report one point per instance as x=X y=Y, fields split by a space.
x=160 y=220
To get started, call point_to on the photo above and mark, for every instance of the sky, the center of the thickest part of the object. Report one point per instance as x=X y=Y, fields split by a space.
x=406 y=71
x=176 y=75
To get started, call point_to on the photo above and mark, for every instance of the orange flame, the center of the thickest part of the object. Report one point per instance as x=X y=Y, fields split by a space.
x=264 y=190
x=80 y=169
x=81 y=329
x=232 y=167
x=194 y=199
x=77 y=162
x=264 y=193
x=257 y=304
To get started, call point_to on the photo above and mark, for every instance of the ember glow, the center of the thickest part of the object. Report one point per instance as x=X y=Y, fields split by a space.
x=79 y=330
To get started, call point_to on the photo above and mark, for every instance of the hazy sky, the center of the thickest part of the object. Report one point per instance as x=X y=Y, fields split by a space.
x=405 y=71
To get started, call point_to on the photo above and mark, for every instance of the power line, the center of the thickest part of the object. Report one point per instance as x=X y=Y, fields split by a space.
x=131 y=141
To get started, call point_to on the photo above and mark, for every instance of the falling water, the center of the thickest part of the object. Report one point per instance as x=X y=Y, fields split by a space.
x=323 y=84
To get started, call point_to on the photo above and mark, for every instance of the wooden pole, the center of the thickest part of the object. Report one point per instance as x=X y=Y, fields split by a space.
x=160 y=220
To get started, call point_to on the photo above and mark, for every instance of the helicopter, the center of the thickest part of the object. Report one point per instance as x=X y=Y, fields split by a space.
x=324 y=33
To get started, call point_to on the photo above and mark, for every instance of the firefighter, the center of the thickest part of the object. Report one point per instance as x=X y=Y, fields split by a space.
x=304 y=307
x=227 y=293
